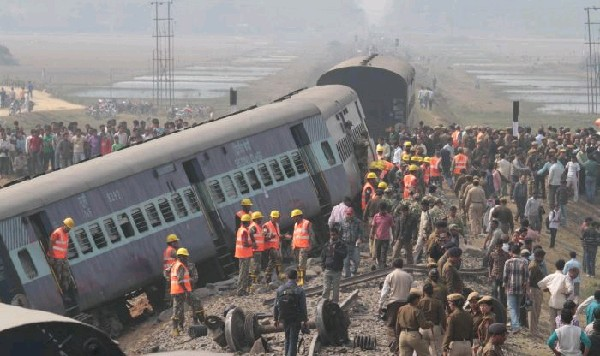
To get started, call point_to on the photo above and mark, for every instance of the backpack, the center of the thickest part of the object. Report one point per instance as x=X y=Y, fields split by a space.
x=288 y=301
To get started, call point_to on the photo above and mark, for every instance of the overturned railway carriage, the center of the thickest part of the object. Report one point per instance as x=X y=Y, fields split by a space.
x=296 y=153
x=384 y=85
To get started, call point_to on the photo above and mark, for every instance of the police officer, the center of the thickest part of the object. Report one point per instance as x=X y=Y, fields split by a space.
x=181 y=292
x=272 y=245
x=497 y=336
x=435 y=313
x=303 y=234
x=459 y=334
x=410 y=319
x=258 y=238
x=169 y=259
x=450 y=275
x=58 y=252
x=243 y=252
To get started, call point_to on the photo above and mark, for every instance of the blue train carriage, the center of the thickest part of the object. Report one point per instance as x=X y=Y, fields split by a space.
x=385 y=86
x=188 y=183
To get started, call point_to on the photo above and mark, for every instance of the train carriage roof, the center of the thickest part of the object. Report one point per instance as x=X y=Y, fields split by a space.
x=32 y=194
x=321 y=97
x=389 y=63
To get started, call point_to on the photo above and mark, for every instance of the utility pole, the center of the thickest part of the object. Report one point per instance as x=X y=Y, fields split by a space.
x=163 y=64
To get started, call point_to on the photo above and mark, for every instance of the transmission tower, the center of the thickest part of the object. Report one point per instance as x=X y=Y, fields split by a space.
x=593 y=60
x=163 y=89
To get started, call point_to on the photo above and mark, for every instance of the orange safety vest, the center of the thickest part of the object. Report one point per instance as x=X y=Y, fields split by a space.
x=176 y=288
x=168 y=259
x=242 y=251
x=455 y=135
x=273 y=241
x=434 y=167
x=460 y=163
x=410 y=181
x=259 y=237
x=363 y=197
x=301 y=236
x=59 y=244
x=426 y=173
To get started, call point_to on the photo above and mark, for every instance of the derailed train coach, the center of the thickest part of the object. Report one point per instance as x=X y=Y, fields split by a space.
x=385 y=86
x=294 y=153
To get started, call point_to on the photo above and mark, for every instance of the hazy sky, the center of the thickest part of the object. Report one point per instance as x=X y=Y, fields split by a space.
x=375 y=9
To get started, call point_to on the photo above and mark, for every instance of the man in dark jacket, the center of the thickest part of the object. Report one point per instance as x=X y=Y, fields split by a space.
x=332 y=261
x=290 y=307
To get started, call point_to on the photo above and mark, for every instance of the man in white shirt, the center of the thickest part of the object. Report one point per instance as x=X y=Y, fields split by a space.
x=573 y=177
x=559 y=287
x=397 y=156
x=504 y=167
x=338 y=213
x=394 y=294
x=554 y=178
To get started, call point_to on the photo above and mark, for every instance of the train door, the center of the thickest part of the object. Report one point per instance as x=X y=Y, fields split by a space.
x=217 y=227
x=312 y=165
x=10 y=284
x=42 y=230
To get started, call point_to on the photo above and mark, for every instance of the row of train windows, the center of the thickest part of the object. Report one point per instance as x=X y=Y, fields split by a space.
x=169 y=211
x=254 y=178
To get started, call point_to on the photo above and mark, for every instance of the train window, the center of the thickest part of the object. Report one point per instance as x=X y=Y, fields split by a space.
x=177 y=201
x=265 y=175
x=277 y=173
x=139 y=220
x=27 y=264
x=298 y=162
x=111 y=229
x=241 y=183
x=253 y=179
x=72 y=250
x=165 y=210
x=192 y=200
x=328 y=152
x=287 y=166
x=346 y=111
x=126 y=226
x=230 y=190
x=84 y=242
x=152 y=215
x=215 y=192
x=97 y=235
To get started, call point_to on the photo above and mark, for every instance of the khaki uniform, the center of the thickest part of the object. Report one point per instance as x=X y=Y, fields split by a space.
x=244 y=276
x=61 y=268
x=475 y=205
x=439 y=291
x=492 y=350
x=463 y=195
x=194 y=302
x=410 y=319
x=459 y=334
x=452 y=279
x=434 y=313
x=482 y=328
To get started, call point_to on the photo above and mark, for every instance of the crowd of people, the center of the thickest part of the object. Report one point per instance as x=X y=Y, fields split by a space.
x=57 y=146
x=17 y=100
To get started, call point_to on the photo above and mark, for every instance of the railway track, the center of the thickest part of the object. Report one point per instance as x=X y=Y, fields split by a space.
x=369 y=276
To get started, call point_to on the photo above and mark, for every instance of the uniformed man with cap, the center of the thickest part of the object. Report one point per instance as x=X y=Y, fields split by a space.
x=181 y=291
x=243 y=252
x=459 y=334
x=450 y=274
x=475 y=206
x=258 y=239
x=301 y=238
x=361 y=152
x=439 y=288
x=473 y=309
x=436 y=314
x=169 y=259
x=368 y=190
x=487 y=318
x=496 y=337
x=246 y=206
x=272 y=246
x=410 y=320
x=58 y=258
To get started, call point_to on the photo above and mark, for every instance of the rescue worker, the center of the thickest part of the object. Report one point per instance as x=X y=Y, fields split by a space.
x=475 y=204
x=243 y=252
x=459 y=334
x=410 y=181
x=435 y=169
x=258 y=239
x=434 y=313
x=361 y=152
x=368 y=190
x=426 y=170
x=169 y=259
x=181 y=292
x=246 y=206
x=450 y=274
x=410 y=319
x=459 y=162
x=272 y=246
x=303 y=234
x=58 y=253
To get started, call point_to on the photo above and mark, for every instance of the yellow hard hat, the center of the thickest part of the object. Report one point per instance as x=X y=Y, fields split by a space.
x=246 y=218
x=296 y=212
x=380 y=165
x=427 y=159
x=373 y=165
x=69 y=222
x=417 y=159
x=382 y=185
x=413 y=167
x=371 y=175
x=407 y=143
x=256 y=215
x=405 y=157
x=379 y=148
x=182 y=252
x=246 y=202
x=275 y=214
x=172 y=237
